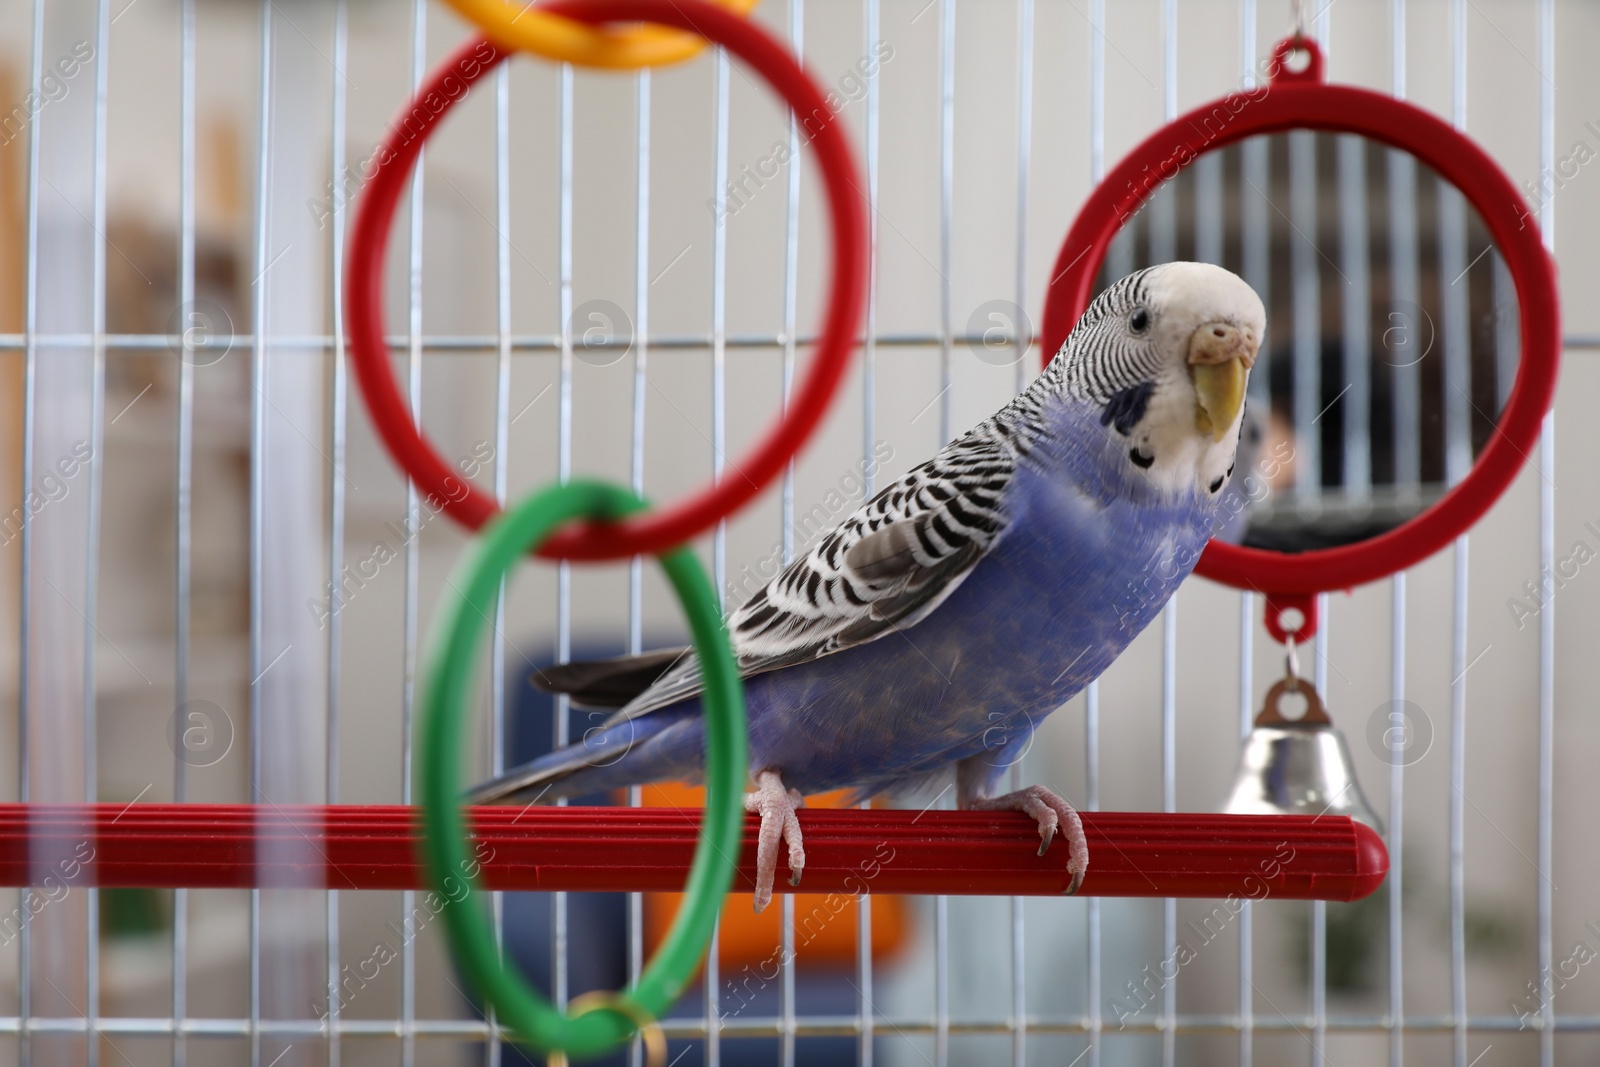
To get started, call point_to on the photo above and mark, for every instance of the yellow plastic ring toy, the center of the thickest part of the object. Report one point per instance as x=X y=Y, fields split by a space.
x=527 y=28
x=655 y=1041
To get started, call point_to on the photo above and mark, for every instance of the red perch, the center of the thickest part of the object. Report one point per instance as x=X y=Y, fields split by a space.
x=1133 y=854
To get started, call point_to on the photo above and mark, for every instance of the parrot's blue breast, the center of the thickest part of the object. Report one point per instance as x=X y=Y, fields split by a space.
x=1090 y=554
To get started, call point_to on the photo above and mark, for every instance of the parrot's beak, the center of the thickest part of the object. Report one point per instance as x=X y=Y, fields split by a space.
x=1220 y=357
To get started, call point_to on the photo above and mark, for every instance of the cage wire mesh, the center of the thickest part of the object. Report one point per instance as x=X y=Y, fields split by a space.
x=221 y=584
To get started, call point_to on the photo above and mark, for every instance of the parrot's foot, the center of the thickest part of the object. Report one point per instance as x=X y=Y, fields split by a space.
x=776 y=806
x=1050 y=811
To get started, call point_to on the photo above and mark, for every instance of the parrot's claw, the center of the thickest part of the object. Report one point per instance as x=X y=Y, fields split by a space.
x=1051 y=812
x=776 y=806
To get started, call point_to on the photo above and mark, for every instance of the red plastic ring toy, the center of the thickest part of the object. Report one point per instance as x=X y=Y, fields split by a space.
x=1301 y=100
x=397 y=155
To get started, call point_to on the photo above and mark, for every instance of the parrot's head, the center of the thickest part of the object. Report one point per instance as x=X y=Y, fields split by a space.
x=1162 y=358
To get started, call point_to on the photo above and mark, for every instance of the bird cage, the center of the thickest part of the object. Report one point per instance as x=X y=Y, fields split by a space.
x=215 y=586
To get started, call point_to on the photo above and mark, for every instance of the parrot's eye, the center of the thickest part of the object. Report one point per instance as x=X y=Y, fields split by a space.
x=1139 y=321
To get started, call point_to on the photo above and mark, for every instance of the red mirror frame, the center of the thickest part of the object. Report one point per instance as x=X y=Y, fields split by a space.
x=1290 y=100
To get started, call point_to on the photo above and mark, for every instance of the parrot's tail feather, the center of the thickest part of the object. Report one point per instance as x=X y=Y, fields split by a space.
x=530 y=783
x=631 y=752
x=607 y=683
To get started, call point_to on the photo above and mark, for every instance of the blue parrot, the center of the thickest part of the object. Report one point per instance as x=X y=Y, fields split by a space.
x=939 y=624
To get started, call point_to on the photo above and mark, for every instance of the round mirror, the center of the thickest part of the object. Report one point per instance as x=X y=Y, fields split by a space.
x=1392 y=333
x=1380 y=220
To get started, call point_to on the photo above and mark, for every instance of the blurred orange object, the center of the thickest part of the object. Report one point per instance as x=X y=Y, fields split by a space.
x=824 y=923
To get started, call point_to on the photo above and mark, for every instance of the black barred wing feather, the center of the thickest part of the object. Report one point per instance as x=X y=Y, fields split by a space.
x=885 y=568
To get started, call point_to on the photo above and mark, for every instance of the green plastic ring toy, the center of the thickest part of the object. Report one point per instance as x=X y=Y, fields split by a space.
x=469 y=603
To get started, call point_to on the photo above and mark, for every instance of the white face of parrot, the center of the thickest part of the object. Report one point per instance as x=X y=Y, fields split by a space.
x=1168 y=352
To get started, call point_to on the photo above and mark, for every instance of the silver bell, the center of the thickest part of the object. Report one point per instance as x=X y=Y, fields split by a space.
x=1297 y=766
